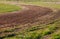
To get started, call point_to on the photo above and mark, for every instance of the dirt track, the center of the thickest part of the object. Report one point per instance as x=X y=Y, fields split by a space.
x=25 y=16
x=30 y=14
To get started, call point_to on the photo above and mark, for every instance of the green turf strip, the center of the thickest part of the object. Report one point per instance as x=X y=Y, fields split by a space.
x=8 y=8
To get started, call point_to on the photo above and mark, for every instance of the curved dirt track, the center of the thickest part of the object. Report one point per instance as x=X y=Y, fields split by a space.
x=29 y=15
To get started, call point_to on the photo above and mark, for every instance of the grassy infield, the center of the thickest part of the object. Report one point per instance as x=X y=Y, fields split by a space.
x=36 y=32
x=8 y=8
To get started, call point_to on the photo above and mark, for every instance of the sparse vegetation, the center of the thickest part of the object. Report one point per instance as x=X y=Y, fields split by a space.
x=56 y=36
x=39 y=33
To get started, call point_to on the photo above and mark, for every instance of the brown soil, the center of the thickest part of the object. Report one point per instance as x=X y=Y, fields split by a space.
x=24 y=16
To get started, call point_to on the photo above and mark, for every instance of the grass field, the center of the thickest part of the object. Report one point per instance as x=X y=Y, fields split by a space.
x=8 y=8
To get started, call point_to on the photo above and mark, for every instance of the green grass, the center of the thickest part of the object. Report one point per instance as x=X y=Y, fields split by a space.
x=56 y=36
x=8 y=8
x=37 y=33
